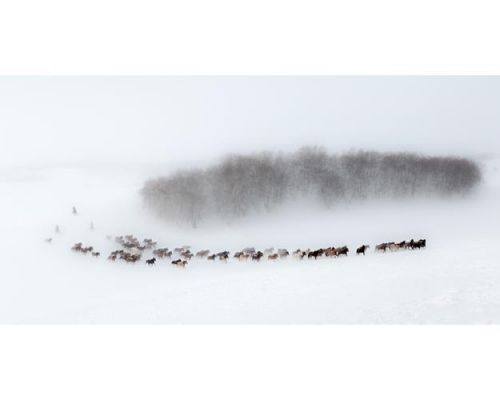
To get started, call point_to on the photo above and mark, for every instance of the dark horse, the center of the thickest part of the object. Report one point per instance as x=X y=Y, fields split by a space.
x=342 y=251
x=362 y=249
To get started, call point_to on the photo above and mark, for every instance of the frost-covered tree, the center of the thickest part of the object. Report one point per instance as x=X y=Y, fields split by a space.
x=241 y=185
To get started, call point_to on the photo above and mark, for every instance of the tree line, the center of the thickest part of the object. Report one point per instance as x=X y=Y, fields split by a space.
x=242 y=184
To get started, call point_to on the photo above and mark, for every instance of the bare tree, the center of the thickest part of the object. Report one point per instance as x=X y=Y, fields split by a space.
x=240 y=185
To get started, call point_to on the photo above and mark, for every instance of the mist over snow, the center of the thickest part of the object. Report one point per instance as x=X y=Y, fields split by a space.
x=99 y=143
x=181 y=121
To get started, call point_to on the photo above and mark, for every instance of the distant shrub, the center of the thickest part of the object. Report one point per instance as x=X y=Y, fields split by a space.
x=240 y=185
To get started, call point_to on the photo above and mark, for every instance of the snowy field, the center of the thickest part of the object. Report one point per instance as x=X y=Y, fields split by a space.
x=455 y=280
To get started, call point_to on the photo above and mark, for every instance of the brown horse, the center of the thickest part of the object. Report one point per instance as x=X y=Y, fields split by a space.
x=330 y=252
x=180 y=263
x=381 y=247
x=243 y=257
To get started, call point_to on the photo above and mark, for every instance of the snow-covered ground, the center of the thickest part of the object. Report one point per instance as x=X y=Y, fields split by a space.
x=455 y=280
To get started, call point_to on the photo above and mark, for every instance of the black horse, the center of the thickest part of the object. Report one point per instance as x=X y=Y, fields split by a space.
x=362 y=249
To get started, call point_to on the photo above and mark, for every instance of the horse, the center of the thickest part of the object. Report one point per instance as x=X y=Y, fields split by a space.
x=330 y=252
x=77 y=247
x=273 y=256
x=86 y=250
x=421 y=243
x=202 y=253
x=151 y=261
x=129 y=257
x=114 y=254
x=316 y=253
x=362 y=249
x=132 y=257
x=381 y=247
x=180 y=263
x=283 y=253
x=148 y=243
x=96 y=254
x=342 y=251
x=299 y=254
x=392 y=246
x=161 y=252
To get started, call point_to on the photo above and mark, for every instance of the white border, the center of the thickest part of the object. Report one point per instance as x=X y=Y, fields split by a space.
x=252 y=362
x=259 y=37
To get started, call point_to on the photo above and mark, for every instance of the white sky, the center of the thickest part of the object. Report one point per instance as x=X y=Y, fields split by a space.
x=61 y=120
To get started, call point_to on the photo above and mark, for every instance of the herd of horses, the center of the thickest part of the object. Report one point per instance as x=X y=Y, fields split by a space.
x=412 y=245
x=132 y=250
